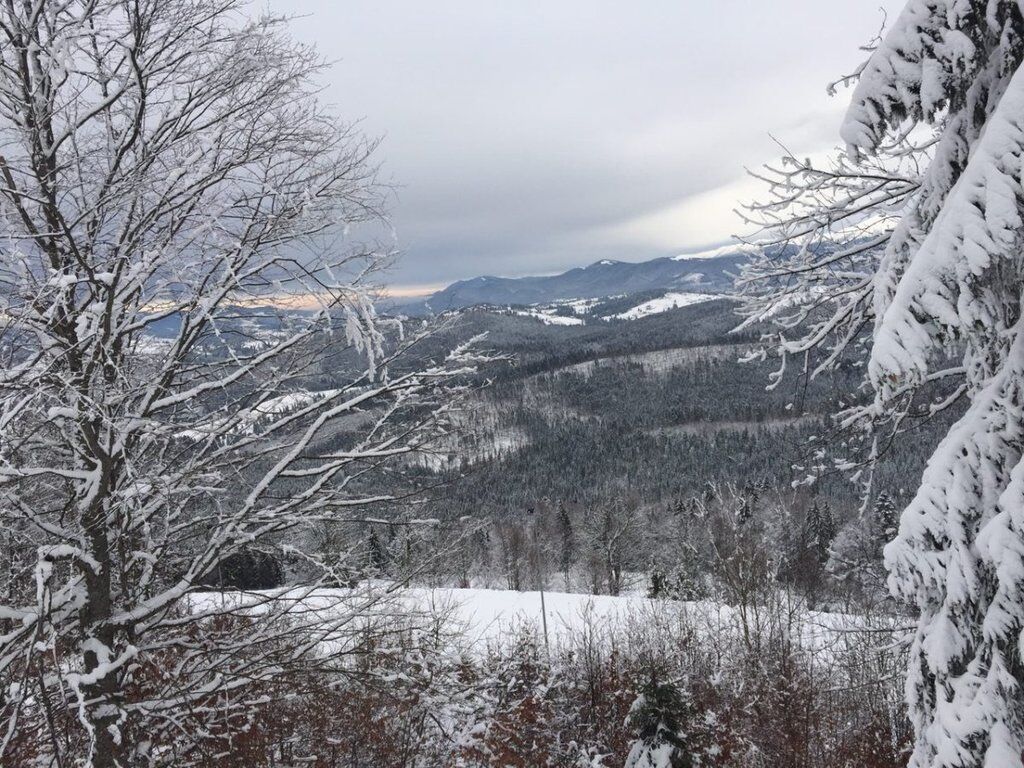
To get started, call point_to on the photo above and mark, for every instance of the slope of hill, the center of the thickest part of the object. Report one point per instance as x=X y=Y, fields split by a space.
x=652 y=408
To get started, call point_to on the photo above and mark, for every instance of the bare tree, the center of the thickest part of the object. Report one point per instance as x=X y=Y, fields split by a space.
x=166 y=164
x=829 y=233
x=613 y=535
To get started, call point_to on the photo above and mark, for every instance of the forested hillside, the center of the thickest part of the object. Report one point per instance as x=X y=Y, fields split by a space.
x=627 y=421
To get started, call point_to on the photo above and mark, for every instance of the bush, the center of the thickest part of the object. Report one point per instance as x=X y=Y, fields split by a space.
x=245 y=569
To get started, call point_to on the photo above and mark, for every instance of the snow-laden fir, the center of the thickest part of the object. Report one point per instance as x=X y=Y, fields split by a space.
x=926 y=293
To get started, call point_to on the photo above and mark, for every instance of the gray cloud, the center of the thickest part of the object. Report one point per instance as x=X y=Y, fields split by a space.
x=521 y=133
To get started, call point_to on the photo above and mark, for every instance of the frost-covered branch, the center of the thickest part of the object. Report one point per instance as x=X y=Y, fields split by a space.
x=176 y=273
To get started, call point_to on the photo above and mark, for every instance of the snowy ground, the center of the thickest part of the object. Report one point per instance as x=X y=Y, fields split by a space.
x=493 y=617
x=481 y=432
x=554 y=313
x=548 y=316
x=475 y=620
x=271 y=407
x=665 y=303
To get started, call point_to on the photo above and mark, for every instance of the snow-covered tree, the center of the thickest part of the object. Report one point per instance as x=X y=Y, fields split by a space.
x=165 y=164
x=914 y=245
x=855 y=557
x=804 y=540
x=655 y=719
x=612 y=535
x=566 y=545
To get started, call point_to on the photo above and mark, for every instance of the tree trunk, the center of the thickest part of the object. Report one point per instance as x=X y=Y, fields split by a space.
x=103 y=710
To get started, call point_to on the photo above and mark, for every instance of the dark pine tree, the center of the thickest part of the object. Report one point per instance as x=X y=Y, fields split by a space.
x=655 y=718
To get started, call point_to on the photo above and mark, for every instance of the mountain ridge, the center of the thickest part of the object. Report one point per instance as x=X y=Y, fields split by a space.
x=706 y=272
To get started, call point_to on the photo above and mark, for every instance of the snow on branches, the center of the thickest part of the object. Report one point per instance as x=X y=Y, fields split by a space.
x=176 y=271
x=937 y=295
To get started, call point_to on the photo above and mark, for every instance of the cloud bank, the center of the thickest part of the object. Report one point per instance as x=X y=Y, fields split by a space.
x=527 y=137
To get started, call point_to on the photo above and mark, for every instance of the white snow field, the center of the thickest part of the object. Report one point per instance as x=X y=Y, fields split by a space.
x=475 y=620
x=548 y=317
x=486 y=616
x=665 y=303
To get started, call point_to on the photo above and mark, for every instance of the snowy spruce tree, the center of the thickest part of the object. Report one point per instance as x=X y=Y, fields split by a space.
x=654 y=718
x=906 y=253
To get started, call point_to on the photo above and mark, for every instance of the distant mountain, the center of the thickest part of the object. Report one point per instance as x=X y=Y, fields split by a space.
x=707 y=272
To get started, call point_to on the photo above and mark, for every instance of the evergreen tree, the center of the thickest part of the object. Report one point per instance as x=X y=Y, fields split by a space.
x=821 y=528
x=377 y=554
x=566 y=545
x=659 y=584
x=246 y=569
x=687 y=581
x=954 y=279
x=805 y=541
x=655 y=720
x=885 y=519
x=940 y=276
x=683 y=582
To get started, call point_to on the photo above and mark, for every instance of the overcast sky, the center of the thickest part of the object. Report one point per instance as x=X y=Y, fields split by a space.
x=530 y=136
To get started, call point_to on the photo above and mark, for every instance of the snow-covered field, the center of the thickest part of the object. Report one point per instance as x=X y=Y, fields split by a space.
x=665 y=303
x=553 y=313
x=273 y=406
x=481 y=431
x=491 y=616
x=485 y=617
x=467 y=449
x=477 y=619
x=548 y=316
